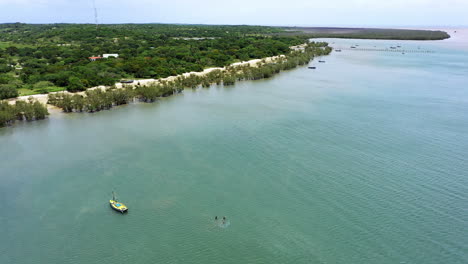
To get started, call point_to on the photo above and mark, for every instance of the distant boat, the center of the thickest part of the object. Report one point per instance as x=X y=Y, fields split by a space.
x=353 y=47
x=117 y=206
x=126 y=81
x=312 y=67
x=392 y=47
x=398 y=46
x=338 y=50
x=321 y=61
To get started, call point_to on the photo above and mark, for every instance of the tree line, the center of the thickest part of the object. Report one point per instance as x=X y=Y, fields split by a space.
x=21 y=111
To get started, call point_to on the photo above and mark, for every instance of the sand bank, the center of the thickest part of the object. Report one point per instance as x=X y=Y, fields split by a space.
x=42 y=98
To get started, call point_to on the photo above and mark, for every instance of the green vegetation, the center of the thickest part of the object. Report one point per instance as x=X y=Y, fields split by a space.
x=98 y=99
x=21 y=111
x=54 y=57
x=364 y=33
x=7 y=91
x=45 y=58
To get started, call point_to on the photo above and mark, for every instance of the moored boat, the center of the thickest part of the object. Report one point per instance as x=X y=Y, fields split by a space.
x=312 y=67
x=117 y=206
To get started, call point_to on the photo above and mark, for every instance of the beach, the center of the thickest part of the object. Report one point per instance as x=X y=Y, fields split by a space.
x=43 y=98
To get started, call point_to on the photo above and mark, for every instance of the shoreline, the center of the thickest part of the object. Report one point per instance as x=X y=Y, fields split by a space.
x=37 y=107
x=43 y=98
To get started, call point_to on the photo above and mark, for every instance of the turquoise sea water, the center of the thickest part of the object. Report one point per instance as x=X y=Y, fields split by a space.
x=363 y=160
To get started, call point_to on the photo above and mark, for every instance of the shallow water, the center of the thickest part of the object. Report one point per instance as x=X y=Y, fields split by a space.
x=362 y=160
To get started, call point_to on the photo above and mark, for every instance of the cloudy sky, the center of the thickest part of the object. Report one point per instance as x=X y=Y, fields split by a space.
x=260 y=12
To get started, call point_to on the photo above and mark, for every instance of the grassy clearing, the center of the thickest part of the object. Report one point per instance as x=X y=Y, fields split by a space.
x=26 y=91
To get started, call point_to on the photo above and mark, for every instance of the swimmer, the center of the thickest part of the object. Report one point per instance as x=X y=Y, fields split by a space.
x=216 y=217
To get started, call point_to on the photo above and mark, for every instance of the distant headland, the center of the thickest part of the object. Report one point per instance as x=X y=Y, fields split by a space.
x=365 y=33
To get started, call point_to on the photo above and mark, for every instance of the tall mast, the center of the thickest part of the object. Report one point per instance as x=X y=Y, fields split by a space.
x=95 y=15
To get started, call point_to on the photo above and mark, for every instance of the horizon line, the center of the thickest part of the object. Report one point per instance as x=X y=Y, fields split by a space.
x=240 y=24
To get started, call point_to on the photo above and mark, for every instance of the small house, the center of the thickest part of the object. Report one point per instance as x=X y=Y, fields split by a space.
x=94 y=58
x=115 y=55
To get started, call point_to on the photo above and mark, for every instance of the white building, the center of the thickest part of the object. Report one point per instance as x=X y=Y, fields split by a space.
x=110 y=55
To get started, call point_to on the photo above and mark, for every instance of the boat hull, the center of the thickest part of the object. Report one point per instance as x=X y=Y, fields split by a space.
x=117 y=206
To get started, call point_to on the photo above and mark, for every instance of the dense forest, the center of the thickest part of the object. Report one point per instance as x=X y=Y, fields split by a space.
x=55 y=57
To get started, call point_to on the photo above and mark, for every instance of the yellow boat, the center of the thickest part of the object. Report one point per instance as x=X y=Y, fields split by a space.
x=118 y=206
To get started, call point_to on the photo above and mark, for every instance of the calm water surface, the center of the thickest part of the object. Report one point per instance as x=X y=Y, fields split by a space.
x=363 y=160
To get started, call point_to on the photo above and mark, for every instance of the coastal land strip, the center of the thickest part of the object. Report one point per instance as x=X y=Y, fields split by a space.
x=364 y=33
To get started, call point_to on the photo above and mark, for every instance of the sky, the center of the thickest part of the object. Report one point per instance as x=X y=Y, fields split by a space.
x=372 y=13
